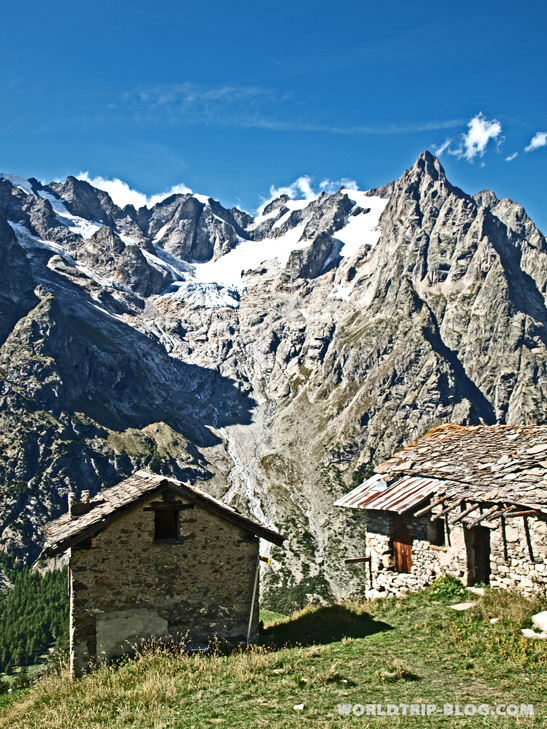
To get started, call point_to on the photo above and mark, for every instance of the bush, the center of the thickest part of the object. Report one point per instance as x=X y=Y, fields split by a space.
x=447 y=588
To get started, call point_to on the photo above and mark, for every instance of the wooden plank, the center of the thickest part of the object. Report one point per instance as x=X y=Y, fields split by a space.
x=465 y=513
x=351 y=560
x=431 y=506
x=402 y=546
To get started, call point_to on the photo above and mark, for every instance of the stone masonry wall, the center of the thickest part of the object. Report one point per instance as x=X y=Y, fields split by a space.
x=518 y=554
x=126 y=587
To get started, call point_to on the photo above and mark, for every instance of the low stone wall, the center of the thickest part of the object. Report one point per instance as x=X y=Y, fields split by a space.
x=518 y=554
x=126 y=587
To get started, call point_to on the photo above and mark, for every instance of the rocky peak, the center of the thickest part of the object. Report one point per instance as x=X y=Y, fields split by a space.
x=107 y=254
x=86 y=201
x=16 y=281
x=486 y=199
x=276 y=204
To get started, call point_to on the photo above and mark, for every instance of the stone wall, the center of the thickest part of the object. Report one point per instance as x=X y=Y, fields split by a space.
x=518 y=554
x=126 y=588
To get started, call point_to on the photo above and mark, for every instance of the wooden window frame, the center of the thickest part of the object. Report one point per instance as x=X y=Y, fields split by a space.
x=163 y=507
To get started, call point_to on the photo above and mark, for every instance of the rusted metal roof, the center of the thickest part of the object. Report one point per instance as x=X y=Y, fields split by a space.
x=110 y=503
x=401 y=496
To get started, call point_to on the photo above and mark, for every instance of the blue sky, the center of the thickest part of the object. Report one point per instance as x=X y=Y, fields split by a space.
x=230 y=99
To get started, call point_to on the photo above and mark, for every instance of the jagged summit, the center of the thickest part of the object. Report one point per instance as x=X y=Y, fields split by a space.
x=273 y=359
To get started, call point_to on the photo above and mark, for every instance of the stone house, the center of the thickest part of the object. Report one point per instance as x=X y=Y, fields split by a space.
x=469 y=501
x=154 y=558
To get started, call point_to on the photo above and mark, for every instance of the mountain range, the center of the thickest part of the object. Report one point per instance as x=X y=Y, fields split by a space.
x=272 y=360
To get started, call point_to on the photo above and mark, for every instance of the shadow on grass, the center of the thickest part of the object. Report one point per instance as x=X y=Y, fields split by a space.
x=317 y=625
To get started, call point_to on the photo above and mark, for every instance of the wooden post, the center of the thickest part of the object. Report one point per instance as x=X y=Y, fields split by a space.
x=255 y=586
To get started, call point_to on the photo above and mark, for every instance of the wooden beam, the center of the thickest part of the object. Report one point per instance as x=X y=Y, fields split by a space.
x=350 y=560
x=445 y=511
x=431 y=506
x=168 y=506
x=535 y=512
x=503 y=512
x=486 y=515
x=465 y=513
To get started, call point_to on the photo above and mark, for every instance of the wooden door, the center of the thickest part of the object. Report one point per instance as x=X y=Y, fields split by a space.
x=402 y=546
x=477 y=542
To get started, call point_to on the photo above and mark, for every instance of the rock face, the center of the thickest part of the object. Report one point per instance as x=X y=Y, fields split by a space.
x=360 y=321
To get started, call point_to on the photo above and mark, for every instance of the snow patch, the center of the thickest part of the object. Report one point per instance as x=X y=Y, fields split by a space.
x=340 y=292
x=80 y=226
x=292 y=205
x=18 y=181
x=207 y=295
x=176 y=271
x=29 y=242
x=202 y=198
x=363 y=228
x=249 y=254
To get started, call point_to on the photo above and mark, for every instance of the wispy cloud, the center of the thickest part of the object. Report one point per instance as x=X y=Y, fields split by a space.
x=538 y=140
x=511 y=157
x=250 y=107
x=122 y=194
x=438 y=150
x=334 y=185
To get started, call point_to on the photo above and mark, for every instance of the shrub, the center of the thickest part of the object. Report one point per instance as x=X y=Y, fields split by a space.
x=447 y=588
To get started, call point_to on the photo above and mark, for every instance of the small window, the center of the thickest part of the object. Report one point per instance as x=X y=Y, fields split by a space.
x=166 y=525
x=437 y=532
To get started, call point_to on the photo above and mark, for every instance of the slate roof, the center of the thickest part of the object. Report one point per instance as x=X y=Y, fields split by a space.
x=111 y=503
x=483 y=463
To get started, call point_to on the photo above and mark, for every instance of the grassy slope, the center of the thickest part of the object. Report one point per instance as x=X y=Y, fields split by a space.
x=394 y=651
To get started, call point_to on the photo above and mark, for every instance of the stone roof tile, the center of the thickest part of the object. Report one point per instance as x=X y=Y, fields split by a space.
x=483 y=462
x=68 y=530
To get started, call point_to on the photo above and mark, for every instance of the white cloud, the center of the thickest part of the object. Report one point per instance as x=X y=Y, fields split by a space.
x=474 y=143
x=300 y=189
x=538 y=140
x=511 y=157
x=123 y=195
x=304 y=189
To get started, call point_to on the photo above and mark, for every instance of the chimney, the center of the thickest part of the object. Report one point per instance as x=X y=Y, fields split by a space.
x=77 y=508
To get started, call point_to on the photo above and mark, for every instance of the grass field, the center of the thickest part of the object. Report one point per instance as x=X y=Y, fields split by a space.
x=414 y=650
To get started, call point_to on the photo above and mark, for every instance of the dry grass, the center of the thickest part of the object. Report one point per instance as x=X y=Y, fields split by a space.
x=399 y=651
